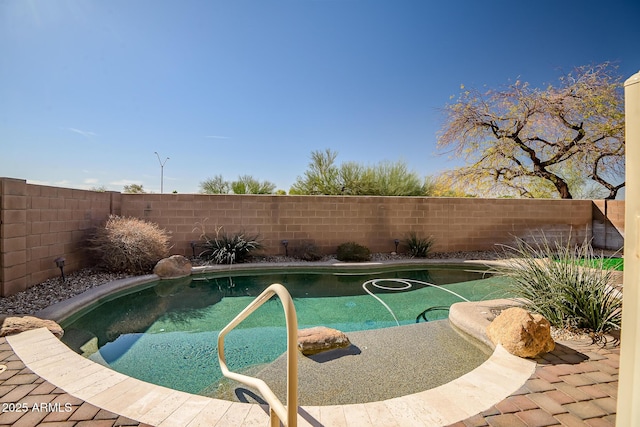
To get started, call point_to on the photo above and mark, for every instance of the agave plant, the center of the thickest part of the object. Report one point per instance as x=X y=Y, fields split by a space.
x=551 y=280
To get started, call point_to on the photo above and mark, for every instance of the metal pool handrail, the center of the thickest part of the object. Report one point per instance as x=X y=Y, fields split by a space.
x=277 y=411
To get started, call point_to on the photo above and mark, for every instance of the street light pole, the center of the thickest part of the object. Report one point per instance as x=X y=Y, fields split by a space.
x=161 y=171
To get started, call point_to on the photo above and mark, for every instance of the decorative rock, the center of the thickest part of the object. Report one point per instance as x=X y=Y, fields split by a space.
x=172 y=267
x=16 y=325
x=320 y=338
x=521 y=333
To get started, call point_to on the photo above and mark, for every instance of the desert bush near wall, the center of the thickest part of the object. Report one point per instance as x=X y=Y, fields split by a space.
x=129 y=245
x=307 y=251
x=353 y=252
x=552 y=281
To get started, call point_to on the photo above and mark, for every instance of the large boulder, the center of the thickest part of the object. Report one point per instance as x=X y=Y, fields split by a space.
x=320 y=338
x=172 y=267
x=521 y=333
x=15 y=325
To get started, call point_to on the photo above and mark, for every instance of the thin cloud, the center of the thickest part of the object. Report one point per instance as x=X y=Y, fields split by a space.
x=217 y=137
x=84 y=133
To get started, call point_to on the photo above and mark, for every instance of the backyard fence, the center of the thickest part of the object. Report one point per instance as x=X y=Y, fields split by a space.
x=40 y=224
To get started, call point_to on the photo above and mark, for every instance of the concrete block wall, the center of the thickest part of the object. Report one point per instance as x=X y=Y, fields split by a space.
x=608 y=224
x=40 y=223
x=13 y=236
x=456 y=224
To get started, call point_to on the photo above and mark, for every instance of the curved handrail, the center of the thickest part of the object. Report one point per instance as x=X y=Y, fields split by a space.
x=290 y=413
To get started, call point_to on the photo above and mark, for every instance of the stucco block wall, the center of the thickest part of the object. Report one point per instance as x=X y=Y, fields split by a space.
x=456 y=224
x=40 y=223
x=608 y=224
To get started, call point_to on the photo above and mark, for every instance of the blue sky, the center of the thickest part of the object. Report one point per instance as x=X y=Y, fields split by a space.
x=89 y=90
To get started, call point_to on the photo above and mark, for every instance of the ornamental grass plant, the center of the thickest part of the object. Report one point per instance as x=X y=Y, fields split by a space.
x=551 y=280
x=225 y=248
x=418 y=247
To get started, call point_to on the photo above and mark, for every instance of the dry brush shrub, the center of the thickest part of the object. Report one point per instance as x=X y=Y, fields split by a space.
x=129 y=245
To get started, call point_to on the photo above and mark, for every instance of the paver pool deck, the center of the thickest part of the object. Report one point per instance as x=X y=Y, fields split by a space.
x=47 y=384
x=574 y=385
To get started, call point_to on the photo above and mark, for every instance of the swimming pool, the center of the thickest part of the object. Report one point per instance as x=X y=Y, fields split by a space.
x=165 y=333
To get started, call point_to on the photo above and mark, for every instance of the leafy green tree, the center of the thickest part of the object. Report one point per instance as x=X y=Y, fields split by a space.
x=215 y=185
x=247 y=184
x=384 y=179
x=321 y=177
x=527 y=142
x=393 y=179
x=133 y=189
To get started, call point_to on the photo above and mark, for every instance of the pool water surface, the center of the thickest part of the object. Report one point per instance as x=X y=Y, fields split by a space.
x=166 y=333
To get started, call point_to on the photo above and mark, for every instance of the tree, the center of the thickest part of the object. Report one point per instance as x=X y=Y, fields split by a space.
x=246 y=184
x=133 y=189
x=525 y=141
x=215 y=185
x=392 y=179
x=443 y=186
x=384 y=179
x=321 y=177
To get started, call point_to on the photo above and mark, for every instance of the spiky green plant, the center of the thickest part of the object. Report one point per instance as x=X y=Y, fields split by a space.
x=418 y=246
x=551 y=281
x=225 y=248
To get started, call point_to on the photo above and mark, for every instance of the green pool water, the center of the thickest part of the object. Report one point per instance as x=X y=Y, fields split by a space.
x=166 y=333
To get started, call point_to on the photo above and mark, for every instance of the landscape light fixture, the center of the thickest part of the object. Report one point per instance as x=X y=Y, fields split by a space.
x=396 y=242
x=285 y=243
x=161 y=171
x=60 y=264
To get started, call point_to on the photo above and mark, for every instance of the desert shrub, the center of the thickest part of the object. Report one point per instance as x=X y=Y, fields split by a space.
x=418 y=246
x=551 y=281
x=307 y=251
x=129 y=245
x=352 y=251
x=225 y=248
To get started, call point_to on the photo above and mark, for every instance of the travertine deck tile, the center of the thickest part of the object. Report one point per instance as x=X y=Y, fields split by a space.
x=357 y=415
x=379 y=413
x=504 y=391
x=211 y=414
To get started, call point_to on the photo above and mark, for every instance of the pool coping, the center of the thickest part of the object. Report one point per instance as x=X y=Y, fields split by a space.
x=494 y=380
x=44 y=354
